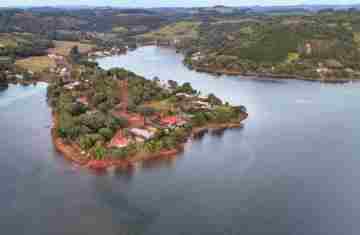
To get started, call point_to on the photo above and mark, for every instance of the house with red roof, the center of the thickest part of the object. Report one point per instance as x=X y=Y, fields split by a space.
x=172 y=121
x=119 y=140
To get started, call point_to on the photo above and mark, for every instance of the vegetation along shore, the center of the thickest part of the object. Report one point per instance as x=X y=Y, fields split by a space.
x=117 y=118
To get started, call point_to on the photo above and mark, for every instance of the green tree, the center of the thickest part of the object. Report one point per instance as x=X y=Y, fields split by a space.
x=214 y=100
x=75 y=54
x=146 y=111
x=100 y=152
x=107 y=133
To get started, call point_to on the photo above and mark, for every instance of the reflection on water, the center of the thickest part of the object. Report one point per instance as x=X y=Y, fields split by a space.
x=293 y=169
x=168 y=162
x=19 y=92
x=3 y=88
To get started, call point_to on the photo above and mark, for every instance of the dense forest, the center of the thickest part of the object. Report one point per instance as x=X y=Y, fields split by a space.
x=325 y=44
x=50 y=21
x=322 y=44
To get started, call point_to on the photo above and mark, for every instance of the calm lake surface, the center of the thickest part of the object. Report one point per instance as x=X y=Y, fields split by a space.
x=293 y=169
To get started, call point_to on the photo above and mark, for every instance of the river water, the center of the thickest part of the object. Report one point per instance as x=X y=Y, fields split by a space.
x=293 y=169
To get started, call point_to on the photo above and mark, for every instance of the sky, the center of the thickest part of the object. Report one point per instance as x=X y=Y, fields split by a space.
x=166 y=3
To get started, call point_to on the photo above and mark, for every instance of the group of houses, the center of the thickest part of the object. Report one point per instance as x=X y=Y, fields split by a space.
x=143 y=128
x=61 y=67
x=107 y=52
x=149 y=126
x=194 y=103
x=146 y=132
x=133 y=135
x=330 y=66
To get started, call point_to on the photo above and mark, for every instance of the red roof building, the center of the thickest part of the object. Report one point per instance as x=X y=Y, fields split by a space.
x=172 y=121
x=119 y=141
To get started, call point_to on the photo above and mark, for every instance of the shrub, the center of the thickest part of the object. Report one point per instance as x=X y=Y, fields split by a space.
x=99 y=98
x=146 y=111
x=85 y=142
x=61 y=132
x=209 y=116
x=83 y=130
x=88 y=141
x=75 y=108
x=96 y=138
x=120 y=73
x=132 y=105
x=153 y=146
x=180 y=134
x=119 y=153
x=186 y=88
x=90 y=64
x=104 y=107
x=199 y=119
x=99 y=152
x=115 y=123
x=224 y=114
x=94 y=120
x=107 y=133
x=68 y=127
x=214 y=100
x=172 y=99
x=132 y=149
x=292 y=57
x=169 y=142
x=239 y=109
x=75 y=54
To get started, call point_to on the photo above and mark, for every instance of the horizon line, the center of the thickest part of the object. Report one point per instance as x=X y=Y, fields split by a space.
x=139 y=7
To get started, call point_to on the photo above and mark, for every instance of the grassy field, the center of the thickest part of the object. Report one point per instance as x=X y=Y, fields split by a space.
x=35 y=63
x=64 y=47
x=12 y=40
x=7 y=42
x=41 y=63
x=179 y=29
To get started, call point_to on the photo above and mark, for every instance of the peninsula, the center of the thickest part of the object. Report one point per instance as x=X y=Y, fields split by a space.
x=117 y=118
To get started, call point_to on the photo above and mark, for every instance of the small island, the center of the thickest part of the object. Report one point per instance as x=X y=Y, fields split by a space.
x=117 y=118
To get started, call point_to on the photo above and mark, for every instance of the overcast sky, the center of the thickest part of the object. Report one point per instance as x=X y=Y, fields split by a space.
x=166 y=3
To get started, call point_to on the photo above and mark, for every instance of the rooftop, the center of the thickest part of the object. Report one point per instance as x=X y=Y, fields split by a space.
x=119 y=141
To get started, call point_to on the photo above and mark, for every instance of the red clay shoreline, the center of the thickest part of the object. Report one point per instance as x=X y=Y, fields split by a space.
x=73 y=153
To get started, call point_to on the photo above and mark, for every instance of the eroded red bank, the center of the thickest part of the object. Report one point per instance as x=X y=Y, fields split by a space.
x=73 y=152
